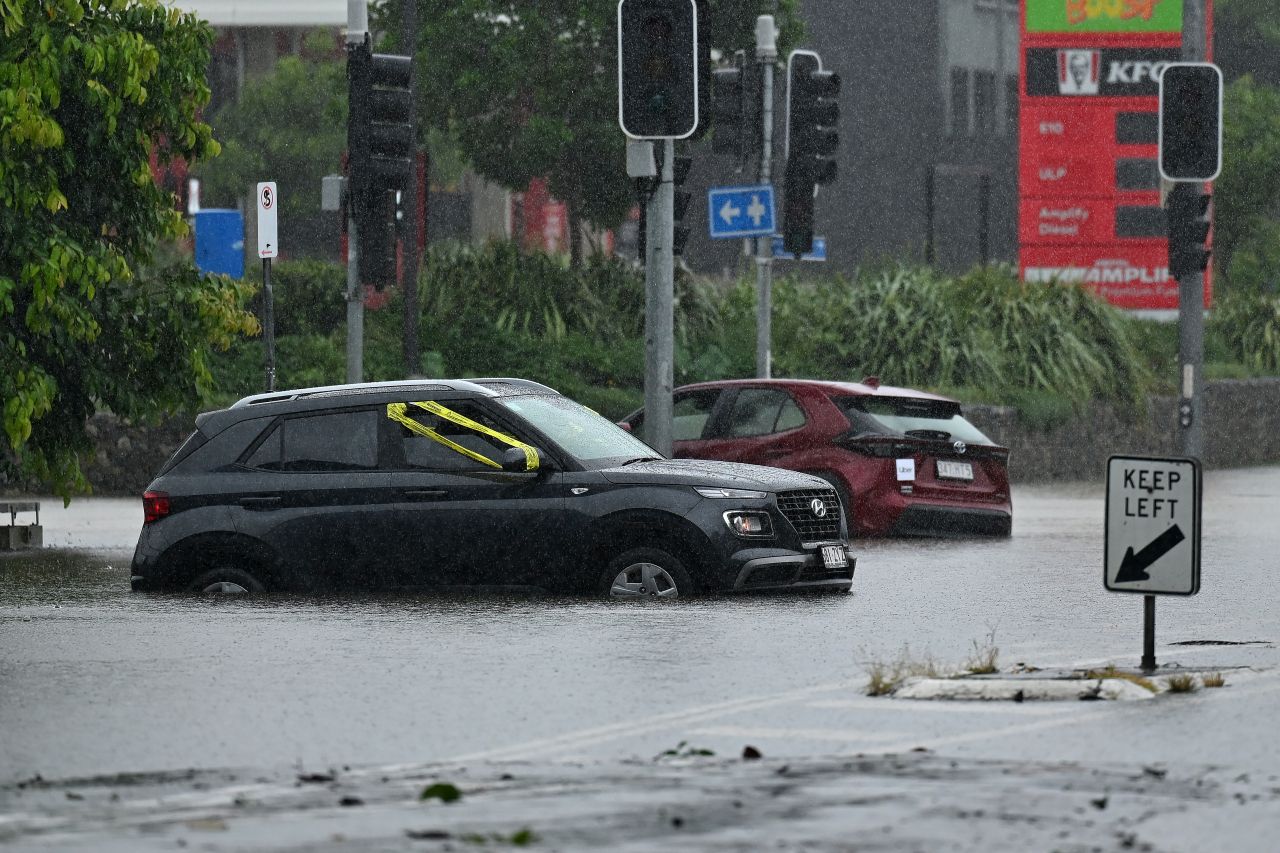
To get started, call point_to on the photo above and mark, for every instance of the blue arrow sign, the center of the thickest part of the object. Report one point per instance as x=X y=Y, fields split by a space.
x=740 y=211
x=817 y=253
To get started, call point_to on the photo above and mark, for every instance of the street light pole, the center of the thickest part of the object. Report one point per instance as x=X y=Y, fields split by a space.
x=357 y=32
x=766 y=56
x=1191 y=284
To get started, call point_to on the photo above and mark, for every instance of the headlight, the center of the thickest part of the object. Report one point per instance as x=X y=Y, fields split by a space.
x=750 y=525
x=730 y=493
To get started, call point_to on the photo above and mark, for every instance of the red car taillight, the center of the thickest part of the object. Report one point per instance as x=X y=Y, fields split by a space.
x=155 y=506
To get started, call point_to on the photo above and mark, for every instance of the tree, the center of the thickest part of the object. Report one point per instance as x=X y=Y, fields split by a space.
x=289 y=125
x=529 y=90
x=1248 y=191
x=90 y=90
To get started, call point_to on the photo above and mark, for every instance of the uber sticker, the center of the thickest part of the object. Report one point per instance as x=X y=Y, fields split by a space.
x=906 y=469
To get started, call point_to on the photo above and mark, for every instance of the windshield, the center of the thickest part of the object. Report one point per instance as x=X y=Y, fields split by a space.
x=909 y=416
x=593 y=440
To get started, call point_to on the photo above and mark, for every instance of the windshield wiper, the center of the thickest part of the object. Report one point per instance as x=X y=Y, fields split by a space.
x=642 y=459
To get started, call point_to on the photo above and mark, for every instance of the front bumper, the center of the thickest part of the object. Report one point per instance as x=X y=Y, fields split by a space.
x=793 y=571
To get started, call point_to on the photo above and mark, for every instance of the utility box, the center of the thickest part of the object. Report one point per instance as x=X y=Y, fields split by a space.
x=220 y=242
x=16 y=537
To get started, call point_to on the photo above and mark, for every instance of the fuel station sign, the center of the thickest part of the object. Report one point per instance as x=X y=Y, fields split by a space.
x=1089 y=182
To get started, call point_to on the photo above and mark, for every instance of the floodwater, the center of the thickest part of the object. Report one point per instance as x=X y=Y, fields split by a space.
x=95 y=679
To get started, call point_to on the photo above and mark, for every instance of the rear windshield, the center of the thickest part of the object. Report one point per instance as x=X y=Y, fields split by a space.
x=913 y=416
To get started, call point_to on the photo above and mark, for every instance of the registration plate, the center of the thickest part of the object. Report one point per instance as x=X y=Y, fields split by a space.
x=955 y=470
x=834 y=557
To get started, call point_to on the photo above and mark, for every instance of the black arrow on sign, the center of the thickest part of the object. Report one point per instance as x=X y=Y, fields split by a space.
x=1134 y=566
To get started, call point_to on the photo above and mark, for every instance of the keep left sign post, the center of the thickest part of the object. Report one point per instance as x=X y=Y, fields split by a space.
x=268 y=248
x=1152 y=544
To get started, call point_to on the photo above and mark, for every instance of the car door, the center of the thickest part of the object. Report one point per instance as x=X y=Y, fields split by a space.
x=758 y=426
x=692 y=418
x=312 y=489
x=459 y=519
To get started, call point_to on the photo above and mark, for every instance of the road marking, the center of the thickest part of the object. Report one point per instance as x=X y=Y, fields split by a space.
x=629 y=728
x=766 y=732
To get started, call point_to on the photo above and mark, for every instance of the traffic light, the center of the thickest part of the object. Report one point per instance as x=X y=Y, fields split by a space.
x=381 y=141
x=680 y=233
x=735 y=111
x=813 y=114
x=1190 y=127
x=658 y=68
x=1187 y=209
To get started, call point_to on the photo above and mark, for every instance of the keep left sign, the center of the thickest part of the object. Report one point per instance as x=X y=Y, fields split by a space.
x=1153 y=525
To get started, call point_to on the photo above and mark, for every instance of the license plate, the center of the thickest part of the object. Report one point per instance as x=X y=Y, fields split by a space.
x=834 y=557
x=955 y=470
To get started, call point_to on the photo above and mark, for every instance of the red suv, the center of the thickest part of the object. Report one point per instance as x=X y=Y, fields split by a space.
x=904 y=462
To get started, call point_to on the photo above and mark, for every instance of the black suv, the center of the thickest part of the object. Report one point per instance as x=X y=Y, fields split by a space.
x=491 y=482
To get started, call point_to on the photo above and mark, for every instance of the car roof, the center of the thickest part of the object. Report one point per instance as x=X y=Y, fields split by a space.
x=324 y=396
x=856 y=389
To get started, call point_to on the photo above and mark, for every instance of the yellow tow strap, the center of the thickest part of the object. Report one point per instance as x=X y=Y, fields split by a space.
x=398 y=412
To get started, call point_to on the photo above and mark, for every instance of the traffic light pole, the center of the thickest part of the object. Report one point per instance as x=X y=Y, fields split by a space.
x=357 y=30
x=659 y=324
x=766 y=56
x=1191 y=284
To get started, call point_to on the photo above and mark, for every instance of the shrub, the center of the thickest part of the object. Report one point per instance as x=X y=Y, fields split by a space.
x=1247 y=325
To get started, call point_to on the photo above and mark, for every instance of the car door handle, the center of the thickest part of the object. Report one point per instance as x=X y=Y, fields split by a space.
x=260 y=502
x=425 y=494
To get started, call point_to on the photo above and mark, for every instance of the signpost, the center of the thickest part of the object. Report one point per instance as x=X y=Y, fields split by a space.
x=740 y=211
x=1153 y=533
x=268 y=248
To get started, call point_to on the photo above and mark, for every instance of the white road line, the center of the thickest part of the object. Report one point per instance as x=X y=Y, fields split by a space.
x=765 y=732
x=629 y=728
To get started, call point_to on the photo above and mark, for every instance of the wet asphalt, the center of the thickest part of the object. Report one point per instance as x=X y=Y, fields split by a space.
x=97 y=680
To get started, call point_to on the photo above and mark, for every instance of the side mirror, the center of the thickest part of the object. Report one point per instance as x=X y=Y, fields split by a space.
x=515 y=461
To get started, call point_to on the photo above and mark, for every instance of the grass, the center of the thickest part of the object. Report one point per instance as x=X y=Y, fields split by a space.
x=884 y=677
x=1112 y=672
x=982 y=661
x=1213 y=679
x=1183 y=684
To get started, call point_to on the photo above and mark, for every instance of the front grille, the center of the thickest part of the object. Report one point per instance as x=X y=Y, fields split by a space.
x=798 y=508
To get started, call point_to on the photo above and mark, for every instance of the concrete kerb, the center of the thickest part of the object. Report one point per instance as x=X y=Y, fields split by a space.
x=1076 y=685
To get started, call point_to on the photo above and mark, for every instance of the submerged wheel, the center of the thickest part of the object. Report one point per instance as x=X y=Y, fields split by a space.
x=227 y=580
x=646 y=572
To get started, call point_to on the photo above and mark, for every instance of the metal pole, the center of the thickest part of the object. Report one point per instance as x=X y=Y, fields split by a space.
x=1191 y=286
x=766 y=55
x=659 y=324
x=412 y=363
x=1148 y=633
x=269 y=323
x=357 y=30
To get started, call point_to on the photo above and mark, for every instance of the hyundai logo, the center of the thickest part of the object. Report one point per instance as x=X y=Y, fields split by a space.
x=818 y=507
x=959 y=447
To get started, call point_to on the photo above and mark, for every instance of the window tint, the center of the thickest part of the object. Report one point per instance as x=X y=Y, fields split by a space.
x=424 y=452
x=940 y=419
x=761 y=411
x=690 y=413
x=224 y=448
x=333 y=441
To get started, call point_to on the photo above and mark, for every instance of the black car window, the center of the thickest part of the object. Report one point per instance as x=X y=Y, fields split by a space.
x=224 y=448
x=922 y=418
x=423 y=452
x=761 y=411
x=330 y=441
x=690 y=413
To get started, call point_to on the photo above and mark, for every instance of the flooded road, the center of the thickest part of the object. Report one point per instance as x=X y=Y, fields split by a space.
x=95 y=679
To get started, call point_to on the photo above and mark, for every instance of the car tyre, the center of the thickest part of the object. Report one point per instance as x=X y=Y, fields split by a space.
x=225 y=580
x=646 y=573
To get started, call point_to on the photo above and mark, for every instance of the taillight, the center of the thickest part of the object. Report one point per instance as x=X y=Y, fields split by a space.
x=155 y=506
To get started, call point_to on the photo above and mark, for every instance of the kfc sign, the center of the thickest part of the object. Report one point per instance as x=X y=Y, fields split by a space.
x=1075 y=72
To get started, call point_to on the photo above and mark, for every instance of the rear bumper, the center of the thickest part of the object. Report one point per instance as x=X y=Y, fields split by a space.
x=928 y=520
x=794 y=572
